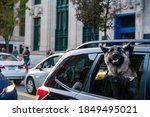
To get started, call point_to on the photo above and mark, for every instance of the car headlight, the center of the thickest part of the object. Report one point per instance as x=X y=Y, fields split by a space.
x=10 y=88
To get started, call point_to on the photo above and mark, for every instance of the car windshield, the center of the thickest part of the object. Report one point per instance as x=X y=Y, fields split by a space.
x=7 y=58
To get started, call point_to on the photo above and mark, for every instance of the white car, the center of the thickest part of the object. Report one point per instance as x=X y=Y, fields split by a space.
x=12 y=68
x=36 y=76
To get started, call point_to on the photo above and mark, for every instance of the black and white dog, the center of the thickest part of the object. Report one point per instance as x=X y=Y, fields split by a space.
x=117 y=60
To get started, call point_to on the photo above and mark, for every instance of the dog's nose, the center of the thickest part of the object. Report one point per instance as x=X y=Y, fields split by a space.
x=115 y=56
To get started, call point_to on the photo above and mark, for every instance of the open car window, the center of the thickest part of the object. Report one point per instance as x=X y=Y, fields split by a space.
x=110 y=86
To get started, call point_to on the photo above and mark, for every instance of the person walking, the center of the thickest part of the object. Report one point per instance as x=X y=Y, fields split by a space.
x=15 y=52
x=49 y=52
x=26 y=57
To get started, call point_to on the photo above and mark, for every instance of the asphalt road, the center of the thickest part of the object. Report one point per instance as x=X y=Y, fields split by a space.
x=22 y=93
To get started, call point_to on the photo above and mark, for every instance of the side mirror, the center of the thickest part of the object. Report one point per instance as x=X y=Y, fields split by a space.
x=39 y=67
x=77 y=86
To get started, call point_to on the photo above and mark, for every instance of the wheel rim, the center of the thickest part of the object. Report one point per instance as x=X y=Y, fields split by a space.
x=30 y=86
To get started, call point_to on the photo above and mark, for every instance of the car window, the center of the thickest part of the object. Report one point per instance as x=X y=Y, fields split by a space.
x=73 y=69
x=118 y=88
x=50 y=62
x=7 y=58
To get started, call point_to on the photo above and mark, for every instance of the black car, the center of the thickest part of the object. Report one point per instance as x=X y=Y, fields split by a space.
x=7 y=89
x=78 y=74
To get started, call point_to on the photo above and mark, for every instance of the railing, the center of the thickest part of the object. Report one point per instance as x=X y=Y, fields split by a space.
x=114 y=42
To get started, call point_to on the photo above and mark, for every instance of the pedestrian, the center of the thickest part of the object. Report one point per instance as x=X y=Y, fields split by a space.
x=20 y=58
x=26 y=57
x=49 y=52
x=15 y=52
x=3 y=50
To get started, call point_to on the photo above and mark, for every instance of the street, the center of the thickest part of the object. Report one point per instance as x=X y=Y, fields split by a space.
x=21 y=90
x=22 y=93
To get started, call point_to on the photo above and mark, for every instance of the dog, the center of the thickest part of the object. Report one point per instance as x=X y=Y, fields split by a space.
x=117 y=60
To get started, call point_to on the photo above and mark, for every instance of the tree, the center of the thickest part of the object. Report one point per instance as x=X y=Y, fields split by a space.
x=111 y=8
x=96 y=13
x=9 y=18
x=89 y=12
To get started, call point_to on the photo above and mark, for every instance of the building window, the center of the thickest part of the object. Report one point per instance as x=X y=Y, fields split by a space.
x=146 y=36
x=61 y=43
x=22 y=27
x=62 y=2
x=128 y=23
x=22 y=21
x=36 y=43
x=87 y=36
x=37 y=2
x=124 y=27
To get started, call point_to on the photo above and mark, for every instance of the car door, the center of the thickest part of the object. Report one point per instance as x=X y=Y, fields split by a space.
x=69 y=78
x=95 y=87
x=45 y=67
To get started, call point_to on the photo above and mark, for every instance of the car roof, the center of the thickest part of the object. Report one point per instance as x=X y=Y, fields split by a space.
x=56 y=54
x=134 y=42
x=98 y=50
x=139 y=49
x=139 y=45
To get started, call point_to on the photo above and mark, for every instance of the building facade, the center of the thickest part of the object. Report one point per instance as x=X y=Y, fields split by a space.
x=52 y=24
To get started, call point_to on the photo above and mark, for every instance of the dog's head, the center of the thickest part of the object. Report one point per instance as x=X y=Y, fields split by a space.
x=116 y=57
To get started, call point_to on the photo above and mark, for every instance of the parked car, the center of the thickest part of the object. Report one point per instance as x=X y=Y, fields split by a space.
x=36 y=76
x=12 y=68
x=7 y=89
x=78 y=74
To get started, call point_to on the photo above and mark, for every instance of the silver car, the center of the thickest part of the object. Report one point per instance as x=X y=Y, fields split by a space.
x=36 y=76
x=12 y=68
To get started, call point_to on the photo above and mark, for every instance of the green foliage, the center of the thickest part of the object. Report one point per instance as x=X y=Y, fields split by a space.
x=96 y=13
x=22 y=8
x=89 y=12
x=9 y=16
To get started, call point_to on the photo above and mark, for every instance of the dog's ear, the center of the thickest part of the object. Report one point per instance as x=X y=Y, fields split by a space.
x=104 y=49
x=127 y=47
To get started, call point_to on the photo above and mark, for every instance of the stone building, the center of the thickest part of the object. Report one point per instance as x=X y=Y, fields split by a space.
x=52 y=24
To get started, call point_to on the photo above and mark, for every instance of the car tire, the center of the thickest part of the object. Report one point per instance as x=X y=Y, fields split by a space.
x=30 y=86
x=17 y=82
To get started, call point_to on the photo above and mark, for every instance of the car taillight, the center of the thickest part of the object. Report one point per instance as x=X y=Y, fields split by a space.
x=42 y=92
x=2 y=67
x=22 y=67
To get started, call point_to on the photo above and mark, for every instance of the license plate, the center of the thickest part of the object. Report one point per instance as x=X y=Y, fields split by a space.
x=11 y=68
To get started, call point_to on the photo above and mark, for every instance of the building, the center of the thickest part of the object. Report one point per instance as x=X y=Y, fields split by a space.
x=52 y=24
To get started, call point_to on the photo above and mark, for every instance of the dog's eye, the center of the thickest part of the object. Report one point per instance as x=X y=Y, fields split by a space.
x=119 y=49
x=112 y=49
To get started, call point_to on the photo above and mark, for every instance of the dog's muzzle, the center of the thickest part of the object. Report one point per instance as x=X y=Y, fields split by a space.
x=116 y=59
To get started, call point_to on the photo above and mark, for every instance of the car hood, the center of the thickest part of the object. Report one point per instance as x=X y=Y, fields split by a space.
x=3 y=81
